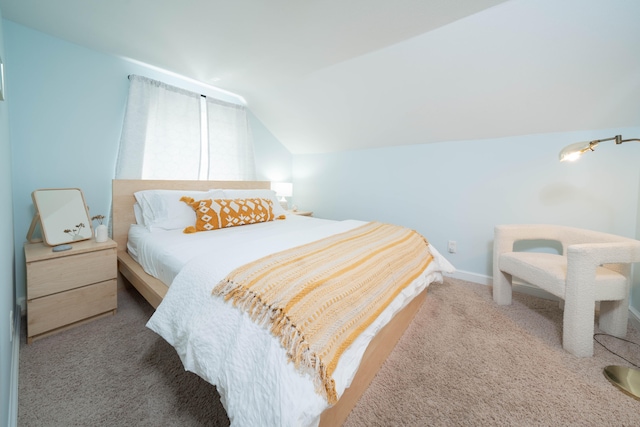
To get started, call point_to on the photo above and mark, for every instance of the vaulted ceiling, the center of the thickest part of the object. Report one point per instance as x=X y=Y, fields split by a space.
x=330 y=75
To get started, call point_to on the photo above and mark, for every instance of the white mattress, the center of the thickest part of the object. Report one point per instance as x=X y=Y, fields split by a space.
x=220 y=343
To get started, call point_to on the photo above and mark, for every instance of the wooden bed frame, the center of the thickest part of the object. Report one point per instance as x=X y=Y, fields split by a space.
x=153 y=290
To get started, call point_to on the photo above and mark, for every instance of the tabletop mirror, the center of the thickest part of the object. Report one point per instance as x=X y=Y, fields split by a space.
x=63 y=215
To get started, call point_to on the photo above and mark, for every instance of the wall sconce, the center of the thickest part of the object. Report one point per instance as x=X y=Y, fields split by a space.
x=573 y=152
x=283 y=190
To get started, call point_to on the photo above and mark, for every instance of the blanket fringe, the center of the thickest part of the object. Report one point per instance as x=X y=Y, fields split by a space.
x=317 y=298
x=281 y=326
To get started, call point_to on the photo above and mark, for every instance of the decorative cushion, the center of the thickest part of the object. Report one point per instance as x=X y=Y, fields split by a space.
x=213 y=214
x=162 y=209
x=253 y=194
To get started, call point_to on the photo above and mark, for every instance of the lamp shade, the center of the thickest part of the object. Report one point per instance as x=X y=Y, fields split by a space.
x=573 y=152
x=282 y=189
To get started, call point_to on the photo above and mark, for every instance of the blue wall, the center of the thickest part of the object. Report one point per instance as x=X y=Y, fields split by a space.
x=461 y=190
x=7 y=299
x=67 y=111
x=67 y=105
x=450 y=191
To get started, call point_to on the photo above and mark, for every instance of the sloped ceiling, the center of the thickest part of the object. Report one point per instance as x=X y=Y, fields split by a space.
x=337 y=75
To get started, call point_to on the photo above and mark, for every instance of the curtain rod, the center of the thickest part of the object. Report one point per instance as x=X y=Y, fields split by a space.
x=202 y=95
x=237 y=102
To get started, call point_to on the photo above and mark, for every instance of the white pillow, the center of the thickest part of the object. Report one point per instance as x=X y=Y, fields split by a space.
x=263 y=194
x=163 y=210
x=137 y=211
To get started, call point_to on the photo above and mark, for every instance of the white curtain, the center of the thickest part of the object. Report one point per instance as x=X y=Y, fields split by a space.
x=161 y=132
x=230 y=144
x=163 y=136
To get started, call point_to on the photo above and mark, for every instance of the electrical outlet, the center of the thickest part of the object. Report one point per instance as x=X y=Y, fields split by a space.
x=453 y=248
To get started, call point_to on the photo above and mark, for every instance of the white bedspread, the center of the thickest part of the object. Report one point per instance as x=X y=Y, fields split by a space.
x=162 y=254
x=222 y=345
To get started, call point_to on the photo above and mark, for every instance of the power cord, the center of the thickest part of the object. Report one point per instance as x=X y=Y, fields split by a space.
x=613 y=352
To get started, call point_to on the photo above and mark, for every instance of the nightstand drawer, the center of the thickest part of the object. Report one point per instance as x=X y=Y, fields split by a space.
x=61 y=309
x=60 y=274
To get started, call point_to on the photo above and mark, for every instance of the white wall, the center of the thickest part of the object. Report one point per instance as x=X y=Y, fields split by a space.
x=461 y=190
x=67 y=111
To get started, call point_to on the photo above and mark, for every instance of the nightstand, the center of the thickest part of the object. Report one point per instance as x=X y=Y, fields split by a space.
x=301 y=213
x=71 y=287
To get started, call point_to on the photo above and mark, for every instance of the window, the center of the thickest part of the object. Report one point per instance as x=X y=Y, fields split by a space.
x=171 y=133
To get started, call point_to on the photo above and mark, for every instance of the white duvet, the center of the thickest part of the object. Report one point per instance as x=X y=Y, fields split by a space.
x=222 y=345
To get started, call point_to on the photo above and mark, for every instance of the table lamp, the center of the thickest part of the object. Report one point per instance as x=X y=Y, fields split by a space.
x=283 y=190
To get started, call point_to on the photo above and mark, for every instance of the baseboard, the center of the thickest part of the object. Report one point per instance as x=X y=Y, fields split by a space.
x=15 y=362
x=471 y=277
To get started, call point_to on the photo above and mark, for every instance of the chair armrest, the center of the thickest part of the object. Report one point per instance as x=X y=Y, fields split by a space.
x=625 y=251
x=583 y=260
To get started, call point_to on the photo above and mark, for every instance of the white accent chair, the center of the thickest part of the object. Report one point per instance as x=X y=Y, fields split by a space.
x=593 y=266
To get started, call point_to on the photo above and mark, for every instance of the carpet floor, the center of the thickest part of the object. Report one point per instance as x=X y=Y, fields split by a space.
x=462 y=362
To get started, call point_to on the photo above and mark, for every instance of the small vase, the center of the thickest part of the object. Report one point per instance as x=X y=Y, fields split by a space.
x=101 y=233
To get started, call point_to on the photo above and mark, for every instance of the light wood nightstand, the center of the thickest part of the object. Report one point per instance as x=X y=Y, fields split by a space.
x=301 y=213
x=68 y=288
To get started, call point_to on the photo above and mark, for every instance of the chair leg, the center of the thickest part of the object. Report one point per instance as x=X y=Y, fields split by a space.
x=502 y=287
x=613 y=317
x=578 y=326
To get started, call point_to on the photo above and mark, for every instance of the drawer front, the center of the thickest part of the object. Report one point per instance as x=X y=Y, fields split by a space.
x=51 y=312
x=61 y=274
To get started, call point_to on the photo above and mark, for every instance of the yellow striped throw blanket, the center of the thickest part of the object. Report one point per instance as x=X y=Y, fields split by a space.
x=317 y=298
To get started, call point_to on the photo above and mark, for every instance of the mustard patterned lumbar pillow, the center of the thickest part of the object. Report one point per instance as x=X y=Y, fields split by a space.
x=222 y=213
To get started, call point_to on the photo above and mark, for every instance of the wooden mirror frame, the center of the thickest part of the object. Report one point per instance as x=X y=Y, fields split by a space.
x=63 y=216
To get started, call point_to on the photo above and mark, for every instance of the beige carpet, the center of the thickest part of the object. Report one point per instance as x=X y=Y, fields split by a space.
x=463 y=361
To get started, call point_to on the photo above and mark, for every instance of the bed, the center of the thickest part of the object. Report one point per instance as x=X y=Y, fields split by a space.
x=364 y=359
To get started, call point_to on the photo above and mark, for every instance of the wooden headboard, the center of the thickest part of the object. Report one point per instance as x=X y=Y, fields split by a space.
x=123 y=198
